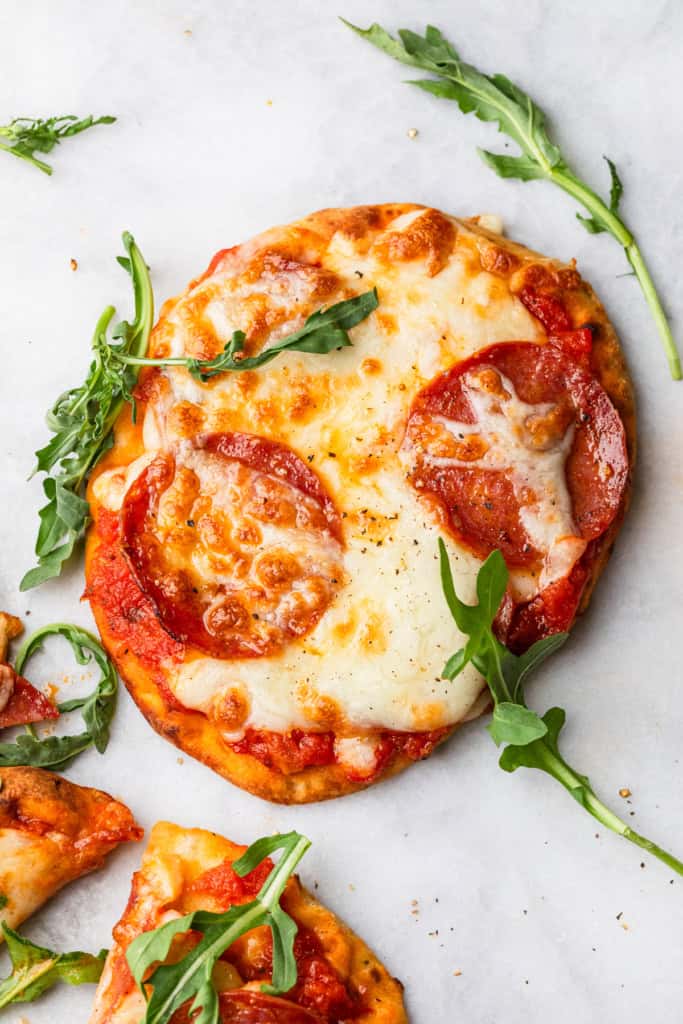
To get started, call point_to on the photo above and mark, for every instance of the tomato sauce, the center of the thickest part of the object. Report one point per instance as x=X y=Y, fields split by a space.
x=130 y=613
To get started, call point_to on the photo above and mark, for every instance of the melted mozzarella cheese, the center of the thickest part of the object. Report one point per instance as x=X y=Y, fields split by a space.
x=537 y=471
x=374 y=660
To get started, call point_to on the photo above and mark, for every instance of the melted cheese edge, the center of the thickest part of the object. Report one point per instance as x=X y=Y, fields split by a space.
x=374 y=661
x=539 y=472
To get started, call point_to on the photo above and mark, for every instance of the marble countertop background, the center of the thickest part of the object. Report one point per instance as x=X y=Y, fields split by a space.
x=234 y=116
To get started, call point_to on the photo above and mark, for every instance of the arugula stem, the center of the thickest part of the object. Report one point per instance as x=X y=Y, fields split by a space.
x=277 y=880
x=24 y=156
x=556 y=766
x=621 y=233
x=496 y=99
x=140 y=361
x=251 y=918
x=588 y=198
x=635 y=258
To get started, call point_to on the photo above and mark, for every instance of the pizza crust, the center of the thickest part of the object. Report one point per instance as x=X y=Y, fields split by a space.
x=427 y=243
x=174 y=858
x=52 y=832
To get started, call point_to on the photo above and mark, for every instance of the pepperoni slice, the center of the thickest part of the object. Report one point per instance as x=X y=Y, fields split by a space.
x=25 y=704
x=243 y=1006
x=519 y=448
x=319 y=987
x=236 y=542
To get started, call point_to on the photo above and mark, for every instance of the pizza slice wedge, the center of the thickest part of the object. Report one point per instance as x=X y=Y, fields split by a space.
x=52 y=832
x=338 y=978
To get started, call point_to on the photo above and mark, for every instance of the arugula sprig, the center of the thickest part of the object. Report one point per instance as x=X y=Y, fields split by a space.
x=81 y=421
x=82 y=418
x=30 y=135
x=97 y=709
x=532 y=740
x=35 y=969
x=495 y=98
x=324 y=331
x=171 y=985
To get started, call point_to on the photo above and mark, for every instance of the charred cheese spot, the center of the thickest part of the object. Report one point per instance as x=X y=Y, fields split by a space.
x=185 y=420
x=230 y=709
x=495 y=259
x=428 y=235
x=372 y=635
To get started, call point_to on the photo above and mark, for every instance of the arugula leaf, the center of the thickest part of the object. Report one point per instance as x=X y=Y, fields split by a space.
x=532 y=741
x=3 y=901
x=82 y=419
x=324 y=331
x=35 y=969
x=169 y=986
x=97 y=709
x=496 y=99
x=29 y=135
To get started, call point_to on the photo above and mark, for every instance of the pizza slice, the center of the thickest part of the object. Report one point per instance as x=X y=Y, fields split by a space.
x=183 y=871
x=20 y=702
x=52 y=832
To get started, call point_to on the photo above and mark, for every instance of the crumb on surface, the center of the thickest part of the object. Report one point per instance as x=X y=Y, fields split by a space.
x=73 y=263
x=624 y=792
x=413 y=133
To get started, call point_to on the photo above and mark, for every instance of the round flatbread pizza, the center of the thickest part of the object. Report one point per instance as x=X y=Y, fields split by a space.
x=263 y=562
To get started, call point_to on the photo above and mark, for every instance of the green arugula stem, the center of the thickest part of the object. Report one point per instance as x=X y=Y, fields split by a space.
x=531 y=741
x=616 y=227
x=556 y=766
x=254 y=913
x=635 y=258
x=40 y=164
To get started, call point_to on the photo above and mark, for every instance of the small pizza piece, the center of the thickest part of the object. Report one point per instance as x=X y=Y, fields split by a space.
x=52 y=832
x=20 y=702
x=339 y=979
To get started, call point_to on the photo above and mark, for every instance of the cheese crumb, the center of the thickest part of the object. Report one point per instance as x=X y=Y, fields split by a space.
x=412 y=133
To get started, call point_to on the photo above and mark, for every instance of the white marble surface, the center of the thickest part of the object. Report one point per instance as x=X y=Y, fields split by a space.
x=236 y=116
